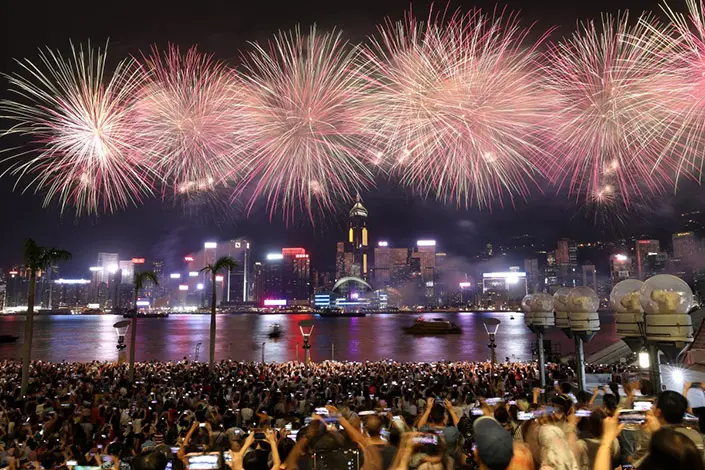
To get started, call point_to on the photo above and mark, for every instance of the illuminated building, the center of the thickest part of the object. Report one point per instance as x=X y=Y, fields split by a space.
x=127 y=272
x=392 y=265
x=17 y=287
x=533 y=276
x=272 y=272
x=567 y=262
x=425 y=253
x=296 y=276
x=352 y=255
x=551 y=274
x=109 y=263
x=621 y=268
x=71 y=295
x=503 y=288
x=340 y=260
x=686 y=246
x=258 y=282
x=645 y=248
x=238 y=285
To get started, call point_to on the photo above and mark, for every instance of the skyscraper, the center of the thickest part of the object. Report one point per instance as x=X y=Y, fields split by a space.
x=392 y=265
x=621 y=268
x=238 y=289
x=533 y=276
x=643 y=249
x=425 y=252
x=590 y=276
x=272 y=273
x=340 y=260
x=567 y=262
x=551 y=279
x=258 y=282
x=127 y=271
x=109 y=264
x=353 y=260
x=685 y=246
x=296 y=275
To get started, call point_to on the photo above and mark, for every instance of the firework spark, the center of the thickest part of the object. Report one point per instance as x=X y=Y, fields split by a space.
x=303 y=103
x=187 y=119
x=689 y=44
x=458 y=106
x=83 y=150
x=616 y=86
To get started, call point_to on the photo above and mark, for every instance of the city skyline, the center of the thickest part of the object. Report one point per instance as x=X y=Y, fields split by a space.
x=322 y=243
x=166 y=229
x=374 y=271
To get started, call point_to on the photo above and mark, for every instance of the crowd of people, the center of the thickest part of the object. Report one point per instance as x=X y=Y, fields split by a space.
x=339 y=415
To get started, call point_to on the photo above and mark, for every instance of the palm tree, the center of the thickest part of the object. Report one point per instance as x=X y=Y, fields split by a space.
x=221 y=264
x=36 y=259
x=140 y=279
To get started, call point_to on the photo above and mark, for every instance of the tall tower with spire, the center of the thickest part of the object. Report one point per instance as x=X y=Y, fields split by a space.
x=358 y=241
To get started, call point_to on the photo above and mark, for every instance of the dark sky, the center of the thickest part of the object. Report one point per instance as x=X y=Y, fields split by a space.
x=169 y=229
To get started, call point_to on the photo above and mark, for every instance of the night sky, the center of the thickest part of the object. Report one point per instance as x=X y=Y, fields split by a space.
x=170 y=229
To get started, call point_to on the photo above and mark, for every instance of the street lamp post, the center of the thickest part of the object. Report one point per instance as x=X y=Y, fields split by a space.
x=491 y=327
x=121 y=328
x=538 y=316
x=306 y=329
x=584 y=324
x=666 y=301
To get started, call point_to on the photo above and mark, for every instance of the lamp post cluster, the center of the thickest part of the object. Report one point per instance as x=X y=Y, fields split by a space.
x=652 y=317
x=575 y=314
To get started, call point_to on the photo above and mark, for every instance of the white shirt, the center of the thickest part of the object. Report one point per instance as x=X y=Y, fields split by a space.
x=696 y=397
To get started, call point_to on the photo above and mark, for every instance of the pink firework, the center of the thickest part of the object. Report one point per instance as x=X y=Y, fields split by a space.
x=458 y=106
x=83 y=152
x=302 y=111
x=187 y=119
x=689 y=46
x=617 y=90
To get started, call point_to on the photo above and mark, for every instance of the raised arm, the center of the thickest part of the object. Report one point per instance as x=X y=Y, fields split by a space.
x=271 y=438
x=354 y=433
x=610 y=431
x=426 y=412
x=451 y=412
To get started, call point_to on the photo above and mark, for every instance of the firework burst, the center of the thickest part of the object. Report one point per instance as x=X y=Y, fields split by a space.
x=458 y=106
x=83 y=151
x=186 y=119
x=689 y=43
x=303 y=104
x=616 y=87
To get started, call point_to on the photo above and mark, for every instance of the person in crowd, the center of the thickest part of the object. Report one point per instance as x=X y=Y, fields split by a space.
x=696 y=401
x=588 y=447
x=436 y=420
x=668 y=412
x=91 y=413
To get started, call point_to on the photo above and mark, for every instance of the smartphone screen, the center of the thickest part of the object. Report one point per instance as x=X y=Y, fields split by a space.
x=204 y=461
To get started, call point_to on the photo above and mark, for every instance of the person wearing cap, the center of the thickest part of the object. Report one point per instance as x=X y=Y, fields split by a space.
x=495 y=448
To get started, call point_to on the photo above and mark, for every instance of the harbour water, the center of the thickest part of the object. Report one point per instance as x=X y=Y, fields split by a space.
x=243 y=337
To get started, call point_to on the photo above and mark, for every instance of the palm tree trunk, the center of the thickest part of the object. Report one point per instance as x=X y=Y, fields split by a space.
x=211 y=360
x=133 y=339
x=28 y=333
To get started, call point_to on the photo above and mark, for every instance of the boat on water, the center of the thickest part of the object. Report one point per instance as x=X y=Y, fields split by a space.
x=147 y=315
x=435 y=326
x=8 y=339
x=275 y=332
